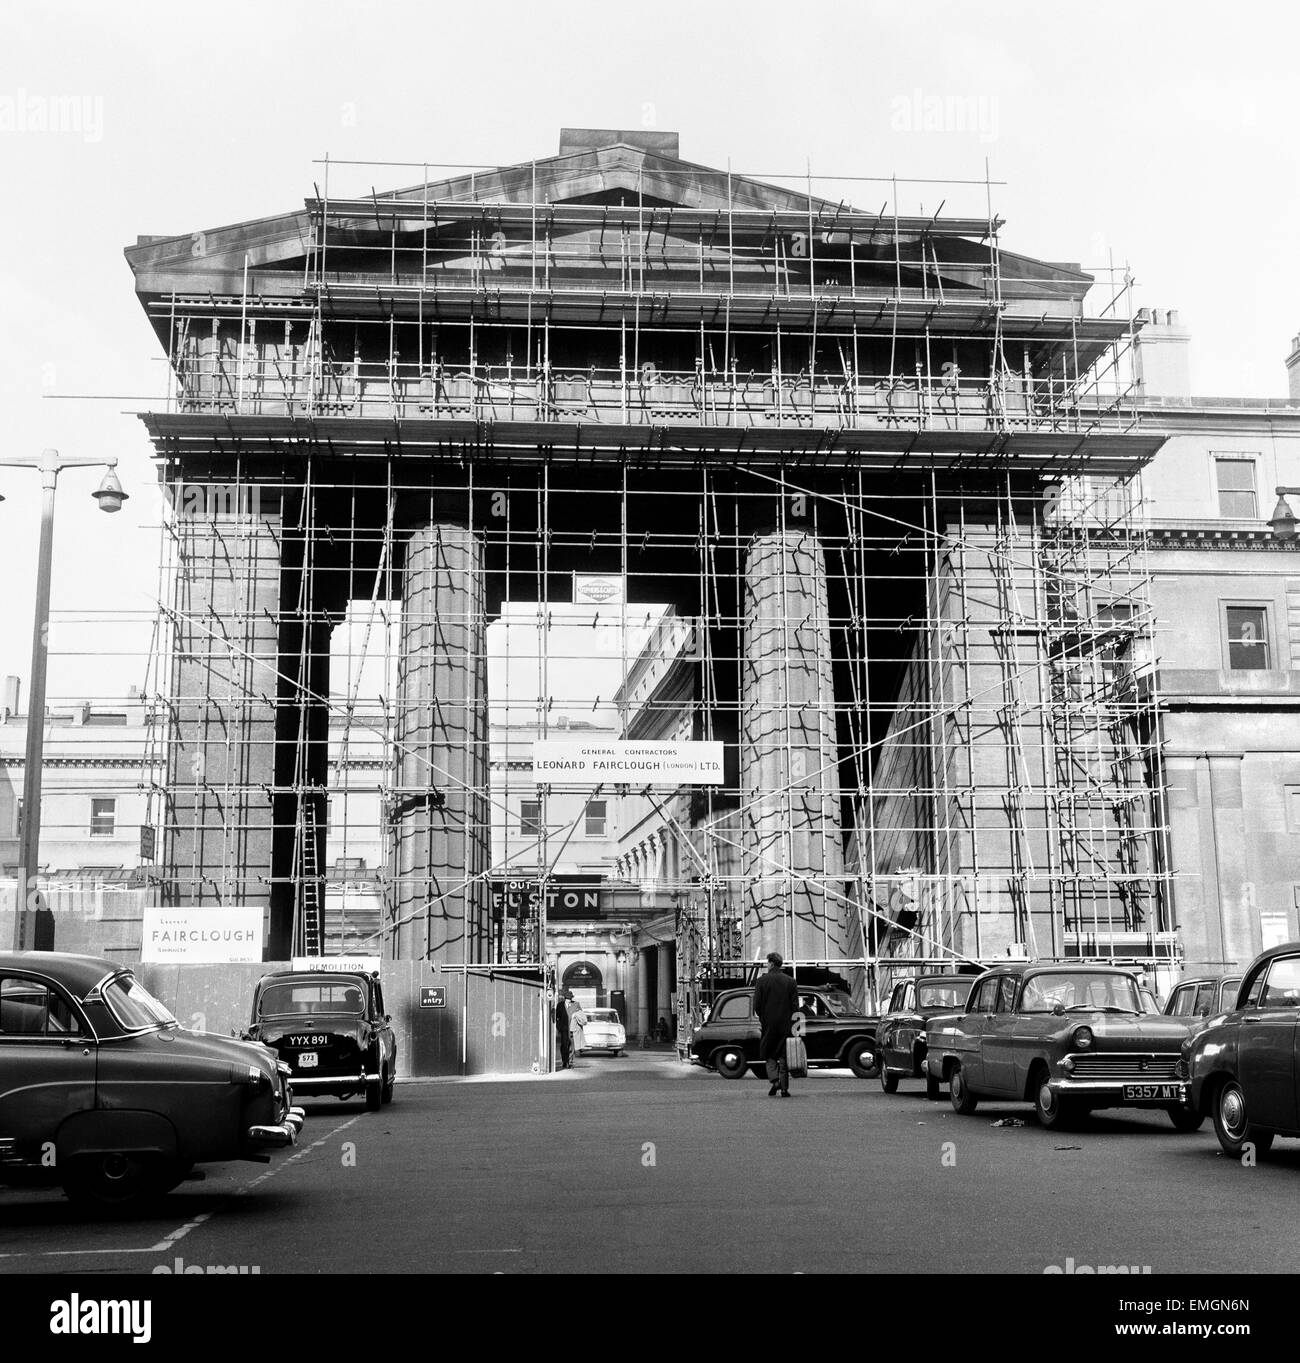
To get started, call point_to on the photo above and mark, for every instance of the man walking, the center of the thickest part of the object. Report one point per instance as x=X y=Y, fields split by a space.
x=776 y=997
x=563 y=1034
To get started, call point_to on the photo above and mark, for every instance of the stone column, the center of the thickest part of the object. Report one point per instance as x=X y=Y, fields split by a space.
x=789 y=775
x=643 y=1021
x=221 y=726
x=442 y=845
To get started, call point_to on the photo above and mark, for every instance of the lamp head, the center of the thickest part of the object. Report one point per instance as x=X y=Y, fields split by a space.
x=109 y=493
x=1283 y=522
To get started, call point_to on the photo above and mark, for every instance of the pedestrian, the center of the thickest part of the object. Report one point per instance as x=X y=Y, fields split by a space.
x=563 y=1033
x=577 y=1021
x=776 y=997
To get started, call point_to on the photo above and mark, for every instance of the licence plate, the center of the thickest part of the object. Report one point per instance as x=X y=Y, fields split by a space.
x=1153 y=1093
x=308 y=1060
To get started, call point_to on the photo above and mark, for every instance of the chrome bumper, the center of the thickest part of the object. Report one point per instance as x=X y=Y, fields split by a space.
x=1113 y=1088
x=333 y=1081
x=280 y=1133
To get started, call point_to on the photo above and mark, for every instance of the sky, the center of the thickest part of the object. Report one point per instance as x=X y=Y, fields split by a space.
x=1161 y=136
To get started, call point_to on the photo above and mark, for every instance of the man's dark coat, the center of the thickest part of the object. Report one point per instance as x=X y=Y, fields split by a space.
x=776 y=999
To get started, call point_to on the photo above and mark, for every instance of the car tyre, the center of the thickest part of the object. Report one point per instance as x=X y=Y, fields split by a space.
x=933 y=1089
x=119 y=1180
x=862 y=1059
x=390 y=1081
x=1184 y=1119
x=730 y=1062
x=1054 y=1113
x=959 y=1094
x=374 y=1095
x=888 y=1082
x=1232 y=1125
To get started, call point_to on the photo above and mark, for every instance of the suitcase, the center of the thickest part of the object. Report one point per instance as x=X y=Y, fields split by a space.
x=796 y=1057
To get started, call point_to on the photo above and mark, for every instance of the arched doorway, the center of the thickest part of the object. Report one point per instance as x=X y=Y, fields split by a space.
x=586 y=982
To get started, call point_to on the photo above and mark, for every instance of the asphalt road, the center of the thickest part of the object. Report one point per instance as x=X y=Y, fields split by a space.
x=643 y=1164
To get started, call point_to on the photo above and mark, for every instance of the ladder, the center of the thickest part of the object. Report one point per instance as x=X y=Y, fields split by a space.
x=310 y=907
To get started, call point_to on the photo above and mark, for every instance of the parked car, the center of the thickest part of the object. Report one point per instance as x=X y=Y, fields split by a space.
x=330 y=1028
x=900 y=1037
x=1068 y=1038
x=835 y=1033
x=1242 y=1068
x=1204 y=996
x=98 y=1075
x=604 y=1031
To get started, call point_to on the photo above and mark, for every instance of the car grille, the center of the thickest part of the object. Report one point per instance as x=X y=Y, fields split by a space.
x=1134 y=1068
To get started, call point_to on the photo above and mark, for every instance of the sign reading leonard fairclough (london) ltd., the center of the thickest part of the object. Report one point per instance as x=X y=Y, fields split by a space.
x=199 y=934
x=560 y=762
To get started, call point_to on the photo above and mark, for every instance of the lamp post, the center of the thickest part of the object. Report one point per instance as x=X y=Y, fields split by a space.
x=33 y=929
x=1283 y=522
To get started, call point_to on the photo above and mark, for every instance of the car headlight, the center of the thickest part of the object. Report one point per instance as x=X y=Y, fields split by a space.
x=1083 y=1039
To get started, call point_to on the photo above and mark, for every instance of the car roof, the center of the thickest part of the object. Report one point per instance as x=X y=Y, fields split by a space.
x=80 y=974
x=1285 y=949
x=307 y=976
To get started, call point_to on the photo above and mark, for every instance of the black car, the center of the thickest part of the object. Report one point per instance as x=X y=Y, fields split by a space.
x=102 y=1090
x=1242 y=1068
x=835 y=1033
x=330 y=1028
x=900 y=1038
x=1205 y=996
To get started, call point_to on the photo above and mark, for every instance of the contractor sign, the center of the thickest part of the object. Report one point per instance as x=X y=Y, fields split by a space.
x=569 y=762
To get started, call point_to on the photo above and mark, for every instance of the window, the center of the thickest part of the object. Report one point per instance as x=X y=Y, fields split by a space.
x=896 y=1002
x=1293 y=808
x=530 y=817
x=1247 y=629
x=734 y=1008
x=985 y=997
x=595 y=818
x=29 y=1009
x=1234 y=479
x=1283 y=987
x=103 y=817
x=1184 y=1004
x=1007 y=994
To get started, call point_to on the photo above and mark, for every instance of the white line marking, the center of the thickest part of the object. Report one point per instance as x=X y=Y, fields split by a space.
x=182 y=1231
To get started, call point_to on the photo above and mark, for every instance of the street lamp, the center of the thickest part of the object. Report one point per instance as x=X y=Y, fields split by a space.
x=1283 y=522
x=33 y=929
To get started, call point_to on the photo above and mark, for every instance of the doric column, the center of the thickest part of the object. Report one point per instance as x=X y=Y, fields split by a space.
x=441 y=826
x=790 y=792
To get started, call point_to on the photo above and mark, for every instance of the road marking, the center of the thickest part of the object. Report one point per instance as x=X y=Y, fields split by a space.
x=181 y=1232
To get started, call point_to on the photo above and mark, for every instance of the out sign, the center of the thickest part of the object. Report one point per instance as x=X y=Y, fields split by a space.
x=434 y=997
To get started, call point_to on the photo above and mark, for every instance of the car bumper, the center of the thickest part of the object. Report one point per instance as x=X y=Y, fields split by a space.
x=1108 y=1093
x=308 y=1082
x=277 y=1134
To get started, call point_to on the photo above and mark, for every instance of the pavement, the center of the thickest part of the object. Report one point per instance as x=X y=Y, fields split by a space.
x=646 y=1164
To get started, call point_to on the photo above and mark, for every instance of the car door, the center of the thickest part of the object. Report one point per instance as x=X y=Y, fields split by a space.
x=972 y=1029
x=818 y=1027
x=997 y=1045
x=733 y=1021
x=47 y=1062
x=889 y=1026
x=909 y=1025
x=1266 y=1047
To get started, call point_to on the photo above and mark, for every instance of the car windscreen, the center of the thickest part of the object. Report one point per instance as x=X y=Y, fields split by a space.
x=602 y=1015
x=1081 y=991
x=840 y=1002
x=134 y=1006
x=943 y=994
x=311 y=996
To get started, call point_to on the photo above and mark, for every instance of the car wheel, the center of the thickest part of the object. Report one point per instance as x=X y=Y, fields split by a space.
x=374 y=1095
x=119 y=1179
x=888 y=1082
x=1231 y=1124
x=1184 y=1119
x=959 y=1094
x=730 y=1062
x=862 y=1059
x=933 y=1089
x=390 y=1080
x=1053 y=1111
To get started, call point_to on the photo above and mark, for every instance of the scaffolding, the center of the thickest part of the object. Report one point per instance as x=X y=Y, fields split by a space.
x=867 y=484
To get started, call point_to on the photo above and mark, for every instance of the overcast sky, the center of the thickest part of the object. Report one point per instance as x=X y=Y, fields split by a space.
x=1159 y=134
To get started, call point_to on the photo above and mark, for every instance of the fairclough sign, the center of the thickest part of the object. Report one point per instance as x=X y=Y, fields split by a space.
x=563 y=762
x=199 y=934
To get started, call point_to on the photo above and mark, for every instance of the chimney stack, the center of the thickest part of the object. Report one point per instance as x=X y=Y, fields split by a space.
x=1293 y=369
x=1163 y=355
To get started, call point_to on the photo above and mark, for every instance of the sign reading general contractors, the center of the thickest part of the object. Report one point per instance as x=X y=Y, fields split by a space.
x=565 y=761
x=199 y=934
